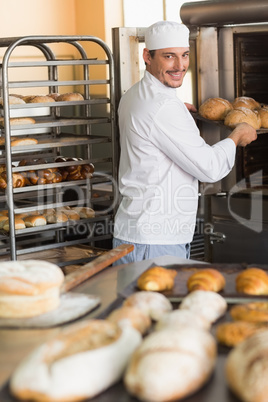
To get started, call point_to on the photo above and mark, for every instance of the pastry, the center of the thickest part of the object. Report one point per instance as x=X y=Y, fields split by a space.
x=246 y=368
x=247 y=102
x=206 y=303
x=253 y=312
x=134 y=316
x=29 y=288
x=157 y=279
x=82 y=361
x=206 y=279
x=253 y=281
x=215 y=108
x=153 y=304
x=171 y=365
x=243 y=115
x=234 y=332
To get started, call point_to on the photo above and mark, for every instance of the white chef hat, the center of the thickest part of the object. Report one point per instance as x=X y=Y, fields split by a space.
x=164 y=34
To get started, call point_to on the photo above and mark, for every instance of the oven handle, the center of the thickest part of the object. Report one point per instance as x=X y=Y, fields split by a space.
x=216 y=237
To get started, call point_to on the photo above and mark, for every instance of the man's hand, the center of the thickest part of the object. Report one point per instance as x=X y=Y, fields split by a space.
x=190 y=107
x=243 y=134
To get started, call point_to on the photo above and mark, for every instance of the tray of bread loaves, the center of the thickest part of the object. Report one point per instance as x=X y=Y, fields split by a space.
x=146 y=348
x=228 y=114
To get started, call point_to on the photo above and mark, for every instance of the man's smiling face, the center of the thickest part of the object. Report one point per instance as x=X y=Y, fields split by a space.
x=168 y=65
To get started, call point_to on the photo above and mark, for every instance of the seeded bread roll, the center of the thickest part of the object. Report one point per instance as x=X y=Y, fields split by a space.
x=82 y=361
x=263 y=113
x=243 y=115
x=247 y=368
x=247 y=102
x=29 y=288
x=215 y=108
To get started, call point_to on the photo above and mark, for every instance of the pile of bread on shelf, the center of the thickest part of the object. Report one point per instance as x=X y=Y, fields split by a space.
x=16 y=99
x=47 y=176
x=159 y=352
x=241 y=109
x=47 y=216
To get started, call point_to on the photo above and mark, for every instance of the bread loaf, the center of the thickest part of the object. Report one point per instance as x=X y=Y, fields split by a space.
x=215 y=108
x=206 y=279
x=20 y=142
x=178 y=319
x=208 y=304
x=34 y=220
x=41 y=99
x=13 y=100
x=29 y=288
x=247 y=102
x=253 y=281
x=18 y=223
x=136 y=318
x=157 y=279
x=171 y=365
x=84 y=212
x=247 y=368
x=82 y=361
x=153 y=304
x=243 y=115
x=71 y=96
x=263 y=113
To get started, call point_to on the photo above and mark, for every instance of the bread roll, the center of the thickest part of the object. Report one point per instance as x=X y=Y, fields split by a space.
x=3 y=221
x=34 y=220
x=134 y=316
x=247 y=102
x=157 y=279
x=252 y=281
x=243 y=115
x=208 y=304
x=20 y=142
x=232 y=333
x=247 y=368
x=82 y=361
x=13 y=100
x=206 y=279
x=57 y=217
x=18 y=223
x=41 y=99
x=263 y=113
x=71 y=214
x=171 y=365
x=252 y=312
x=178 y=319
x=151 y=303
x=84 y=212
x=215 y=108
x=21 y=120
x=70 y=97
x=29 y=288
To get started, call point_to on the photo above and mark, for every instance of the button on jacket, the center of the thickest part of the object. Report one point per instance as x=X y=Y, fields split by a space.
x=162 y=159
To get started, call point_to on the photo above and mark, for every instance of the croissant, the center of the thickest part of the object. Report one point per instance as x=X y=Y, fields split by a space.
x=157 y=279
x=253 y=281
x=206 y=279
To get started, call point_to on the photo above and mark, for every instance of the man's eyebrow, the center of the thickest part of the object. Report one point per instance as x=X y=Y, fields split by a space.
x=174 y=54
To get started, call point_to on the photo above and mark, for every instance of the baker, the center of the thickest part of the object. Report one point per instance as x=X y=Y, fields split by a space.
x=163 y=155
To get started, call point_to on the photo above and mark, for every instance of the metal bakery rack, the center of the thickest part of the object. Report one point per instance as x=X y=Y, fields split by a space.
x=82 y=130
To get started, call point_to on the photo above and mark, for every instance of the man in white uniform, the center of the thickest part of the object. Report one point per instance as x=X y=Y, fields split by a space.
x=162 y=154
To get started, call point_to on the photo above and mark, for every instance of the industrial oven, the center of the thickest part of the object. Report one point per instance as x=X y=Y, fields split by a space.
x=229 y=58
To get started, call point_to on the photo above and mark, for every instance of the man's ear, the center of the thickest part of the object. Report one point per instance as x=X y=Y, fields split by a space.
x=146 y=56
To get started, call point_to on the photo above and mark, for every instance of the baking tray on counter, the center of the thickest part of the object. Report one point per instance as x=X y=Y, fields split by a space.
x=184 y=271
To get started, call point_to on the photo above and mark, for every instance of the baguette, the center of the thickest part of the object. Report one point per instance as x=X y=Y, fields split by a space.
x=81 y=362
x=170 y=365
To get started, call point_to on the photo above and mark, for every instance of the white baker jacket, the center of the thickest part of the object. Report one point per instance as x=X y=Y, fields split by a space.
x=162 y=159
